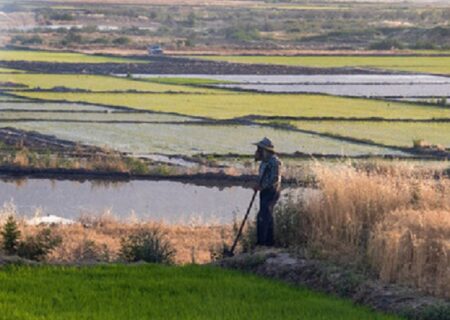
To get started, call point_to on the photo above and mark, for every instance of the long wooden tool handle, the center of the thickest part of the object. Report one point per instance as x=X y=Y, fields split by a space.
x=243 y=222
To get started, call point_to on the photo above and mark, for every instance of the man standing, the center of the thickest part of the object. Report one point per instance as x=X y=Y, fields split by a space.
x=269 y=186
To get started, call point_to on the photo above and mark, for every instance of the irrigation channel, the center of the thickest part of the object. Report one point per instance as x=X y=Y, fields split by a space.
x=163 y=201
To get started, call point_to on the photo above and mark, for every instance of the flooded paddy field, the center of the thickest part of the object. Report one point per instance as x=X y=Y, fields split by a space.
x=352 y=90
x=165 y=201
x=170 y=139
x=400 y=134
x=364 y=85
x=185 y=112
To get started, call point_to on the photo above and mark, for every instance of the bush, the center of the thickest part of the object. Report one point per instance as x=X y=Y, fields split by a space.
x=88 y=250
x=148 y=245
x=72 y=38
x=27 y=40
x=10 y=235
x=242 y=33
x=290 y=225
x=386 y=45
x=121 y=41
x=38 y=246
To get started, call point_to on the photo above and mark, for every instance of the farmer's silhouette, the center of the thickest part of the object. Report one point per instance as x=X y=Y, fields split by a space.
x=269 y=185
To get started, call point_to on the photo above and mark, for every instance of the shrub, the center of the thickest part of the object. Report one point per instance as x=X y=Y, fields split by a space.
x=88 y=250
x=10 y=235
x=38 y=246
x=290 y=225
x=148 y=245
x=386 y=45
x=241 y=33
x=121 y=41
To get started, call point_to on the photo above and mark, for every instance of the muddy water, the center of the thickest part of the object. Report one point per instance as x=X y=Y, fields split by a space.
x=171 y=202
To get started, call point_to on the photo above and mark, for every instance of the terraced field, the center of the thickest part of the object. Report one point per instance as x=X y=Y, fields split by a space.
x=426 y=64
x=178 y=115
x=229 y=106
x=95 y=83
x=178 y=139
x=387 y=133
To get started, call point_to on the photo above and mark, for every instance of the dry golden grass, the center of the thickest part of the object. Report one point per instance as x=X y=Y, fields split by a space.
x=393 y=218
x=98 y=239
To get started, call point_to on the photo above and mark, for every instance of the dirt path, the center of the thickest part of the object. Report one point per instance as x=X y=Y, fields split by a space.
x=322 y=276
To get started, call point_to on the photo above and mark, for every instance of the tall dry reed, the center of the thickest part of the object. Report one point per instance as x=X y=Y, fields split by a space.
x=393 y=219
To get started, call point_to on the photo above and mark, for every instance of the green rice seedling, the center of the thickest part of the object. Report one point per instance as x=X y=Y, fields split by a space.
x=228 y=106
x=161 y=292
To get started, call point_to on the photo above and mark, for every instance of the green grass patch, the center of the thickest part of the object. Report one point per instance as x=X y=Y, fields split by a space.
x=387 y=133
x=95 y=83
x=160 y=292
x=427 y=64
x=228 y=106
x=53 y=56
x=186 y=81
x=8 y=70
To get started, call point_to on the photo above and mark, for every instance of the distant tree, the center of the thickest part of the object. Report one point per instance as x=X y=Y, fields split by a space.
x=190 y=22
x=121 y=41
x=386 y=45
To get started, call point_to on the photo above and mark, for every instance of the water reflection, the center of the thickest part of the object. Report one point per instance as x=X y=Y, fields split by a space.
x=167 y=201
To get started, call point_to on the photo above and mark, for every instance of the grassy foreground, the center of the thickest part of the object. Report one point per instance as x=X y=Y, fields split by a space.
x=159 y=292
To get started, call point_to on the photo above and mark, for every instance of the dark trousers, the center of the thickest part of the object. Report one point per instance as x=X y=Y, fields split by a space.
x=264 y=220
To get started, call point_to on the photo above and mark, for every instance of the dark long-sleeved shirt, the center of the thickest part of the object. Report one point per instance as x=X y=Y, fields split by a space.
x=270 y=173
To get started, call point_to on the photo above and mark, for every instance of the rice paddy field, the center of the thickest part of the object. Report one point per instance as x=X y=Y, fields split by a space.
x=179 y=139
x=184 y=115
x=197 y=127
x=386 y=133
x=160 y=292
x=427 y=64
x=94 y=83
x=229 y=106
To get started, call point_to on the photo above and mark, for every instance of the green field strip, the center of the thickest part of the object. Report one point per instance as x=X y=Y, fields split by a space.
x=185 y=81
x=96 y=83
x=61 y=57
x=229 y=106
x=400 y=134
x=149 y=291
x=426 y=64
x=8 y=70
